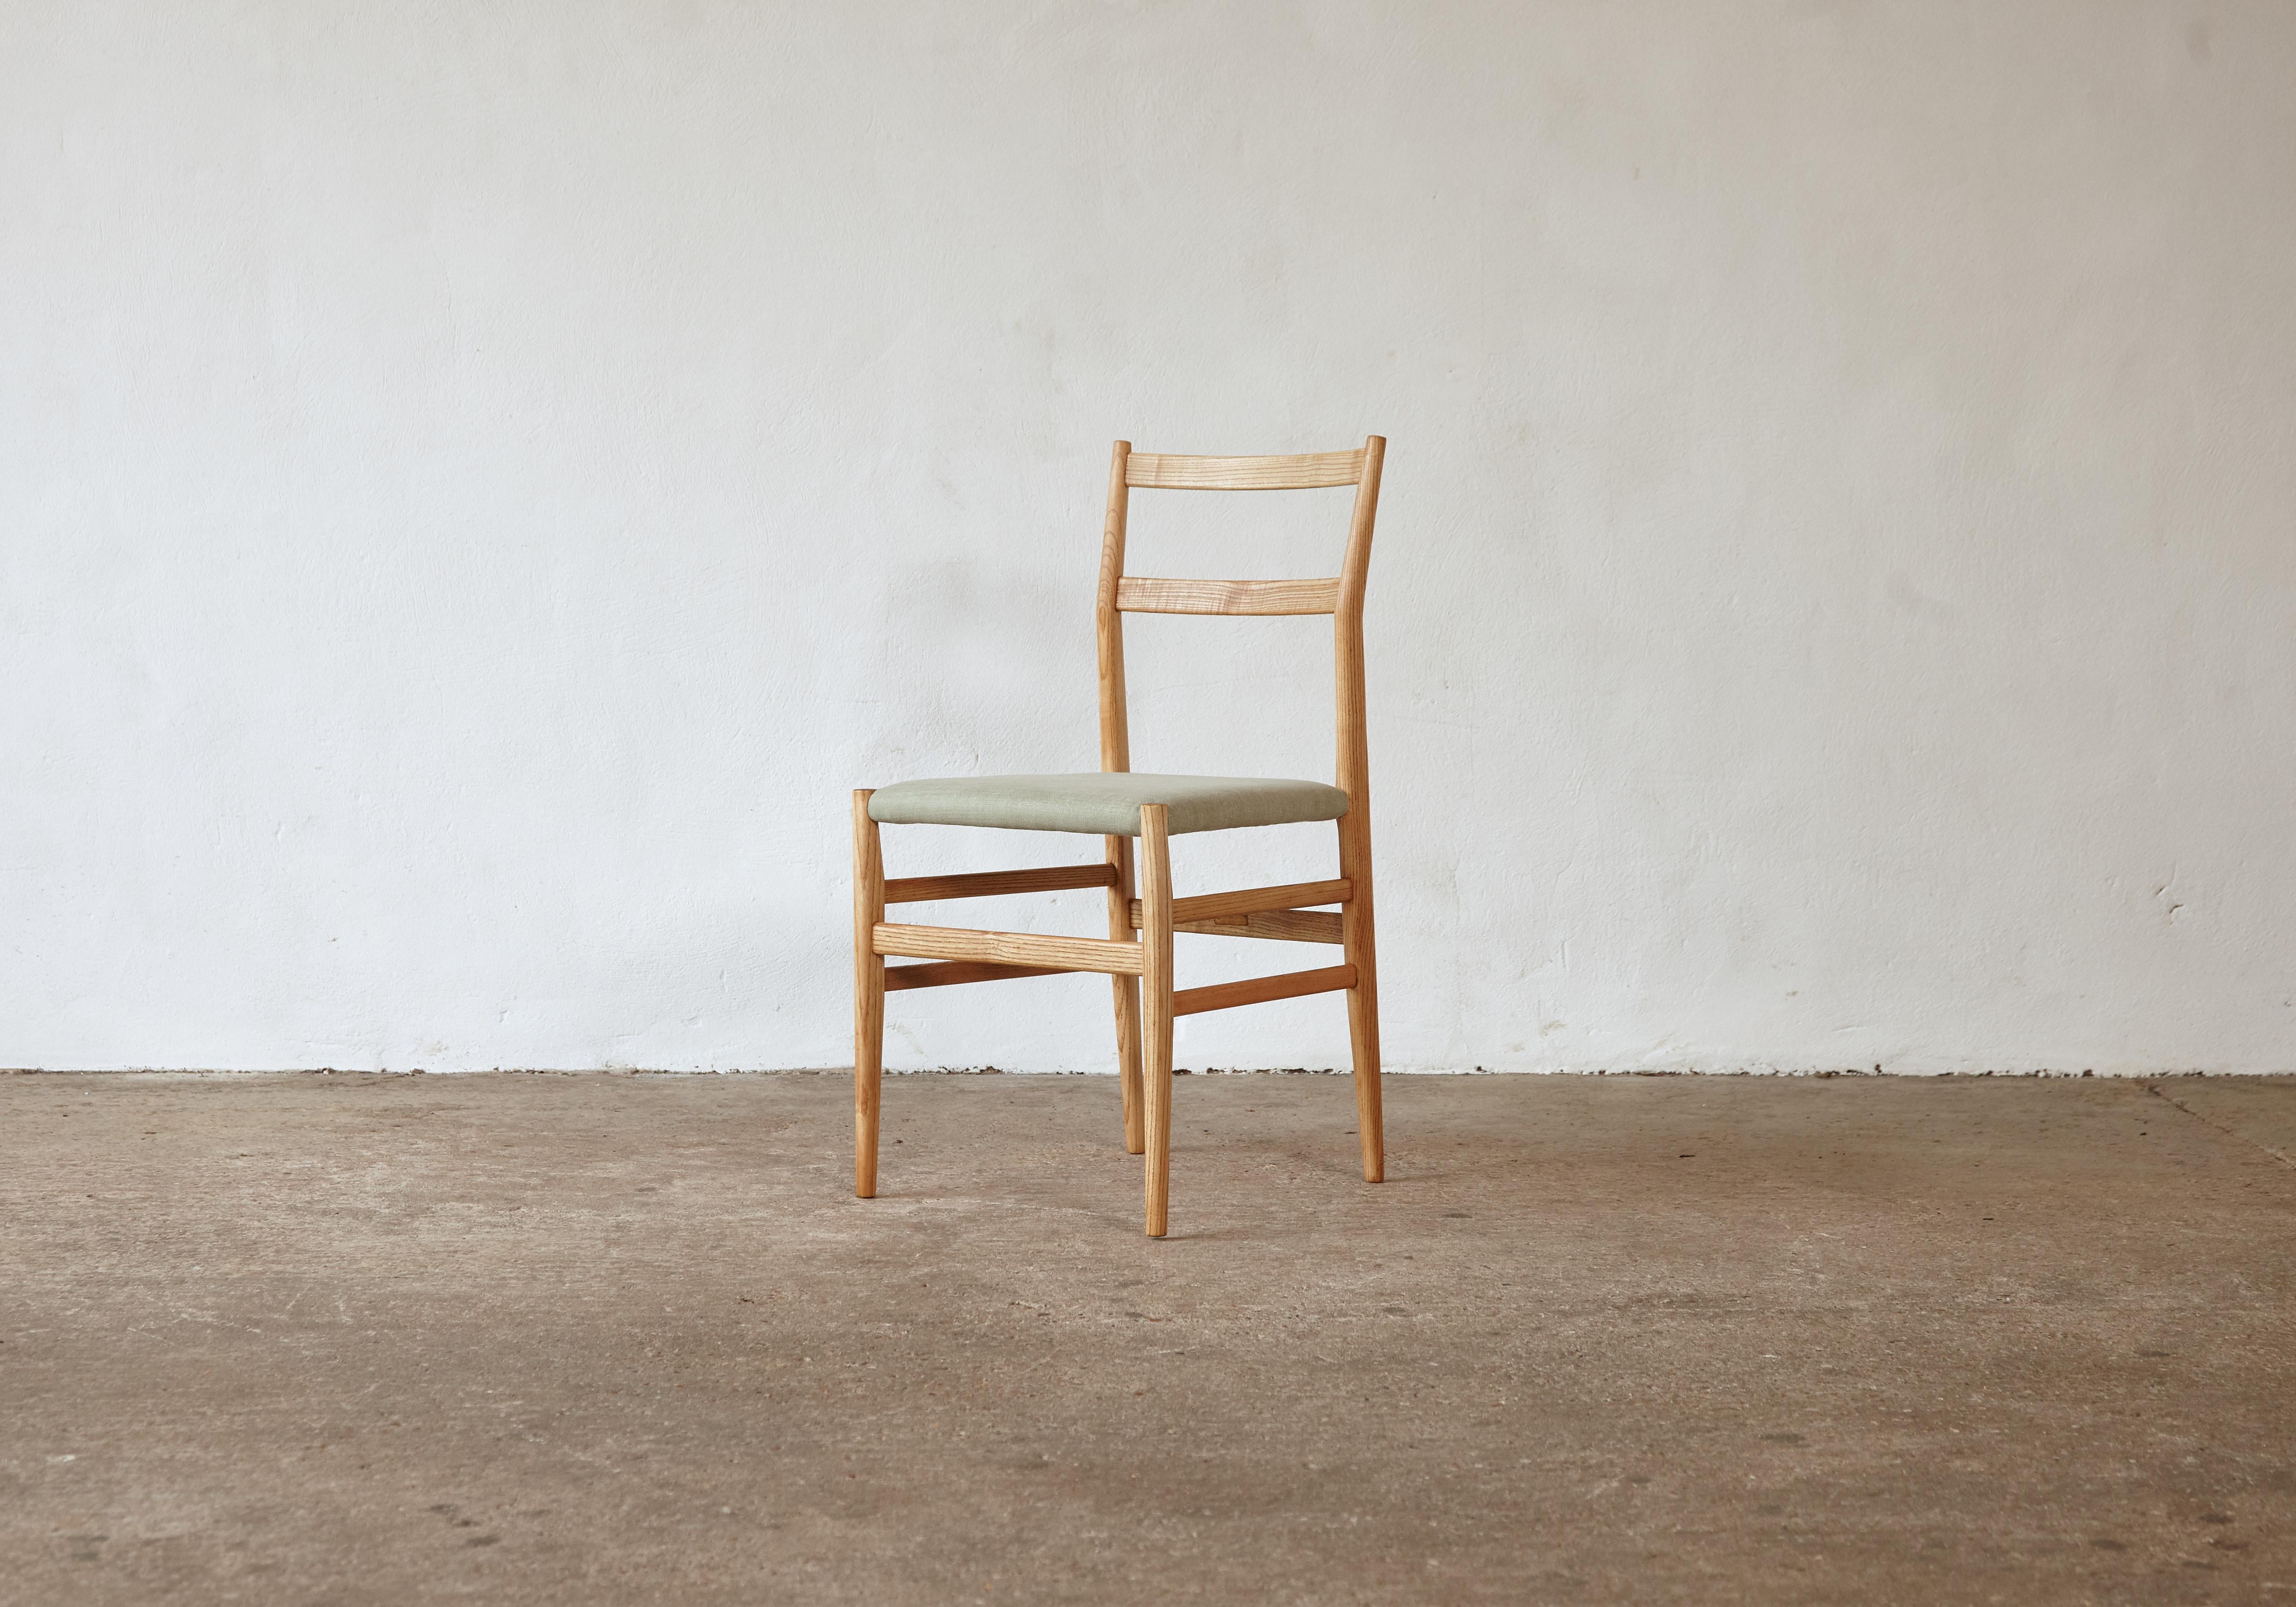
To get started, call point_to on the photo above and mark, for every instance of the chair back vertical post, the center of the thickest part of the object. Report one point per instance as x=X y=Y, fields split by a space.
x=1116 y=754
x=1354 y=779
x=1115 y=733
x=1354 y=762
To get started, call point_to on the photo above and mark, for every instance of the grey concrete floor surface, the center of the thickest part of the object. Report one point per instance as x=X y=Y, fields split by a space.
x=367 y=1339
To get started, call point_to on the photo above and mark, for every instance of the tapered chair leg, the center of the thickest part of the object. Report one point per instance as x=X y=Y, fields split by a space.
x=1363 y=998
x=1126 y=990
x=868 y=995
x=1156 y=1009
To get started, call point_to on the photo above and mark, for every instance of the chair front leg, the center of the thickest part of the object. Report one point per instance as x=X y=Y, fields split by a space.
x=868 y=995
x=1156 y=1008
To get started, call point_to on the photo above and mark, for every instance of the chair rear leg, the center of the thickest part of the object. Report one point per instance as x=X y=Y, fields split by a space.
x=1126 y=990
x=1363 y=998
x=1156 y=1009
x=868 y=995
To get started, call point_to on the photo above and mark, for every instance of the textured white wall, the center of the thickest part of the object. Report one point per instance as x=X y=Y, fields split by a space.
x=480 y=483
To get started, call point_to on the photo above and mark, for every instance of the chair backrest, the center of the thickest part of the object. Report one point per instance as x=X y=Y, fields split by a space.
x=1339 y=595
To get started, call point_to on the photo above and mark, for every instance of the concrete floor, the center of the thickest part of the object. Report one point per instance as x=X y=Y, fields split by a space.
x=352 y=1339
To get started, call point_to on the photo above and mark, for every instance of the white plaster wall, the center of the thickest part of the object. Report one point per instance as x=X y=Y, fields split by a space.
x=478 y=483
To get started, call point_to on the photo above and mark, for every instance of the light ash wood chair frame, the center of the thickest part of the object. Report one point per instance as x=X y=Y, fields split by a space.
x=1136 y=955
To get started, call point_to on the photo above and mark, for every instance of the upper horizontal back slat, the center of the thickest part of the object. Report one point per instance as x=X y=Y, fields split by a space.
x=1305 y=472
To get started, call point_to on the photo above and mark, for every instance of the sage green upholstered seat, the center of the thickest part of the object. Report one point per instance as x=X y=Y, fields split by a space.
x=1104 y=805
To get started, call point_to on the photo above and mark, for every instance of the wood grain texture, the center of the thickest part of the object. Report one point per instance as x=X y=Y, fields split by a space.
x=1116 y=757
x=1260 y=990
x=989 y=884
x=1156 y=1009
x=1250 y=900
x=1300 y=471
x=1155 y=595
x=1283 y=925
x=868 y=995
x=1354 y=779
x=948 y=973
x=1007 y=948
x=1115 y=735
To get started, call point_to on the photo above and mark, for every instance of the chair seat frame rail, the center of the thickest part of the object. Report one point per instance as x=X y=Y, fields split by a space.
x=1136 y=874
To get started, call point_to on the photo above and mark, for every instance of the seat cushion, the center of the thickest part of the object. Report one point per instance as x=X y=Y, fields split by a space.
x=1104 y=804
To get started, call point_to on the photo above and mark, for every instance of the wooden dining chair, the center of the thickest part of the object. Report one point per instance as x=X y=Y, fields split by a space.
x=1118 y=805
